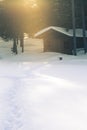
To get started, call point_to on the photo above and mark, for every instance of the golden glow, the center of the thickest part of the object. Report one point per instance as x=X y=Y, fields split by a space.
x=31 y=3
x=26 y=4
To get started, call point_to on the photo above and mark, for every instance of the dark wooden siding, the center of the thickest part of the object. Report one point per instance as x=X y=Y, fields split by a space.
x=57 y=42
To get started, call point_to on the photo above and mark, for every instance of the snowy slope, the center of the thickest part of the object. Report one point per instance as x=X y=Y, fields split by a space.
x=40 y=92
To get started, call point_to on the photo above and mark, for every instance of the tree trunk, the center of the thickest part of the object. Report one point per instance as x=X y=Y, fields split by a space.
x=15 y=46
x=84 y=26
x=22 y=41
x=74 y=27
x=17 y=40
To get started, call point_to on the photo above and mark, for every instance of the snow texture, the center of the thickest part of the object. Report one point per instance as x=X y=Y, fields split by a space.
x=38 y=91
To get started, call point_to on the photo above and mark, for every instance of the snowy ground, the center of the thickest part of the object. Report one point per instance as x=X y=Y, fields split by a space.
x=40 y=92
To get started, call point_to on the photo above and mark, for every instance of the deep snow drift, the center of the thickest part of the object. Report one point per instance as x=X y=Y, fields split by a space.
x=40 y=92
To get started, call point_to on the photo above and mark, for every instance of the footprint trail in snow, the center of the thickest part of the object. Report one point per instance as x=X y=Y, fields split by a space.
x=14 y=118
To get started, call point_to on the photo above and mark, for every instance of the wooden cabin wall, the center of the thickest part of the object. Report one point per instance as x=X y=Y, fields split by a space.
x=68 y=46
x=80 y=42
x=54 y=45
x=58 y=42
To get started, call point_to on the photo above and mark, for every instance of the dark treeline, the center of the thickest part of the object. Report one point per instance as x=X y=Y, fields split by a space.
x=14 y=22
x=60 y=12
x=16 y=18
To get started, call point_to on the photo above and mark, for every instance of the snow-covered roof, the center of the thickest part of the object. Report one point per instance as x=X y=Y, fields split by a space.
x=69 y=32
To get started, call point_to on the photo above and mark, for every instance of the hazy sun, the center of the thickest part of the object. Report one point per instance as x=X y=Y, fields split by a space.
x=31 y=3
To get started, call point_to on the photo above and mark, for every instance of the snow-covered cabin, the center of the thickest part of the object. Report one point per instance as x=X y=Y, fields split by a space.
x=58 y=39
